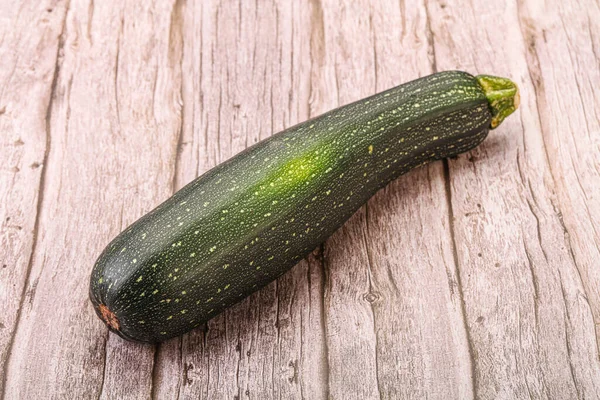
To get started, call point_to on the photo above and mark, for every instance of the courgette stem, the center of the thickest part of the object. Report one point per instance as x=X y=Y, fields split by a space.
x=503 y=97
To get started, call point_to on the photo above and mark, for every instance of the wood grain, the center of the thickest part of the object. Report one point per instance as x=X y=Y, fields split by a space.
x=393 y=262
x=29 y=42
x=113 y=125
x=267 y=346
x=470 y=278
x=514 y=260
x=570 y=144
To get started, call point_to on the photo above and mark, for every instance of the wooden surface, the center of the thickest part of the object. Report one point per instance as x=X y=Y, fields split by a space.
x=477 y=277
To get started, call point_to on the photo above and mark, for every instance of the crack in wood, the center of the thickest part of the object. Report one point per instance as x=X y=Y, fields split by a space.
x=40 y=199
x=535 y=76
x=459 y=285
x=370 y=263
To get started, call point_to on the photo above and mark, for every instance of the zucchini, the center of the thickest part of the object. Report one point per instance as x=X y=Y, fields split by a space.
x=242 y=224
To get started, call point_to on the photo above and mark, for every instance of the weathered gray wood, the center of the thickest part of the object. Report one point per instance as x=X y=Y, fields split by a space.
x=476 y=277
x=269 y=345
x=393 y=299
x=114 y=122
x=568 y=104
x=531 y=330
x=29 y=42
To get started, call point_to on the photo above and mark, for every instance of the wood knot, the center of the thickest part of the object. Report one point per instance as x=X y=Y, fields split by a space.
x=109 y=317
x=371 y=297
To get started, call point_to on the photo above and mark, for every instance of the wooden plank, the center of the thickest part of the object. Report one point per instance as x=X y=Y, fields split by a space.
x=348 y=58
x=247 y=75
x=114 y=123
x=393 y=299
x=474 y=278
x=564 y=88
x=532 y=333
x=420 y=325
x=29 y=42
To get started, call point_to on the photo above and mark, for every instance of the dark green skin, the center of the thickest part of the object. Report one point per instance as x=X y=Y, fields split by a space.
x=249 y=220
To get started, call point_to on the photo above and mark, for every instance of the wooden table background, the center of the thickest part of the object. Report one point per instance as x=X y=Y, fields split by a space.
x=477 y=277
